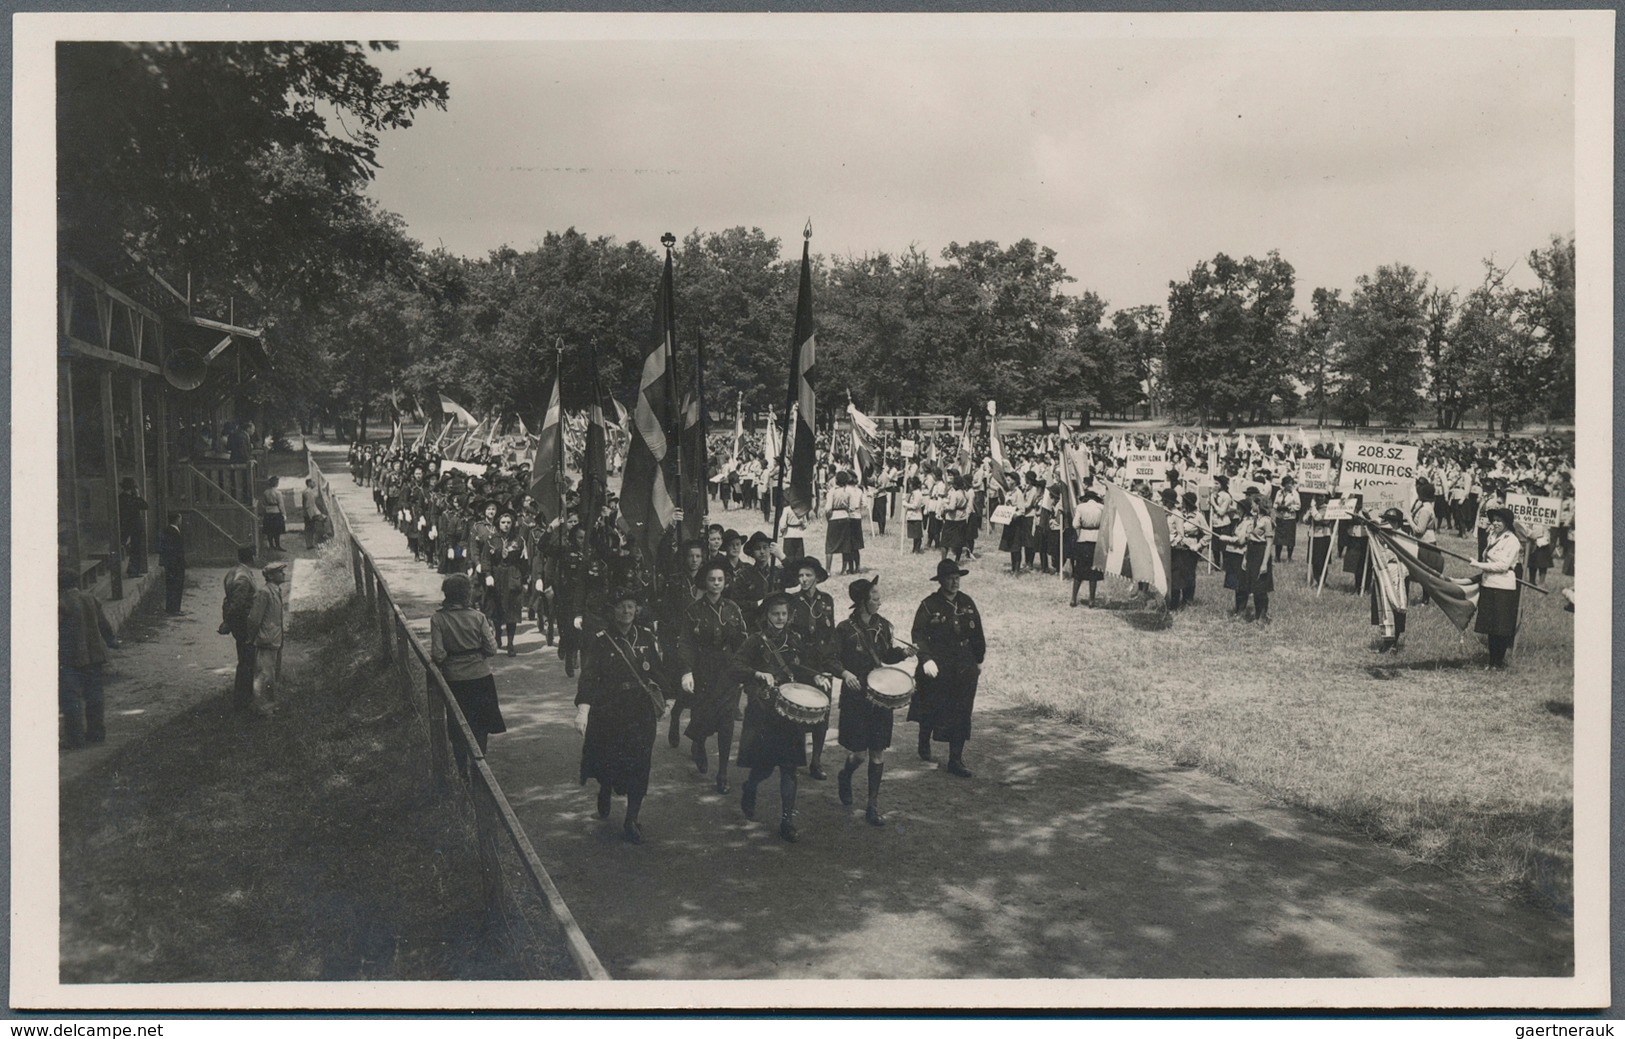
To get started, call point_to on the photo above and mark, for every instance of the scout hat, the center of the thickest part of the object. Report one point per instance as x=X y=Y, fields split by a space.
x=948 y=568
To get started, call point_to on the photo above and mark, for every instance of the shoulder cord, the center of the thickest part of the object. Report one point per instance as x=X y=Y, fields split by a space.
x=654 y=695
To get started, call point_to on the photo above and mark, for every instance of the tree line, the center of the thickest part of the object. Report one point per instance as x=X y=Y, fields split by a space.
x=218 y=160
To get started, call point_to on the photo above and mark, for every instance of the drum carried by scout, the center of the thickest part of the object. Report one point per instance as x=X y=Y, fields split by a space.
x=801 y=703
x=889 y=687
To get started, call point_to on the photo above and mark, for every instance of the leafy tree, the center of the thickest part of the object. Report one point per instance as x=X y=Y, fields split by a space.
x=1383 y=331
x=1548 y=315
x=1226 y=340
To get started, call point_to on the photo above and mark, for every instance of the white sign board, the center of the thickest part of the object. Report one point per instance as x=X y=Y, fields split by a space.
x=1342 y=508
x=1315 y=476
x=1003 y=515
x=1150 y=466
x=1534 y=512
x=471 y=468
x=1368 y=465
x=906 y=448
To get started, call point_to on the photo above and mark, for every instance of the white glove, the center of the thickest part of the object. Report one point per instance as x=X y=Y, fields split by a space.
x=578 y=623
x=930 y=668
x=490 y=581
x=688 y=682
x=581 y=718
x=538 y=584
x=451 y=553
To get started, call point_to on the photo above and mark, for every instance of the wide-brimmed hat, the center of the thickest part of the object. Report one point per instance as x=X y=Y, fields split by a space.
x=776 y=599
x=948 y=568
x=1504 y=515
x=755 y=539
x=860 y=589
x=626 y=593
x=730 y=536
x=812 y=564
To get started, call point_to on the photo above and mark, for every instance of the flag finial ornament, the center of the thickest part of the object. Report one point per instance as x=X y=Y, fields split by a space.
x=668 y=239
x=806 y=232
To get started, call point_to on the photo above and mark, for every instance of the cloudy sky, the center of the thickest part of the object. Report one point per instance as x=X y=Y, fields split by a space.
x=1132 y=157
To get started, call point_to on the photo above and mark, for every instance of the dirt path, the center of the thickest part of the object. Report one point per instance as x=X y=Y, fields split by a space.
x=1064 y=857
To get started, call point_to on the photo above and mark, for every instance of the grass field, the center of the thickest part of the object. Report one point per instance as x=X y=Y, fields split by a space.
x=309 y=847
x=1427 y=751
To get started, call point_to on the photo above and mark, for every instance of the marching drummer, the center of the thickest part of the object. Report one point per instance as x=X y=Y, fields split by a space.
x=952 y=644
x=619 y=702
x=812 y=615
x=864 y=644
x=773 y=656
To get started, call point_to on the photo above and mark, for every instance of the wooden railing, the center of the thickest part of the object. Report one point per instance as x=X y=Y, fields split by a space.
x=423 y=686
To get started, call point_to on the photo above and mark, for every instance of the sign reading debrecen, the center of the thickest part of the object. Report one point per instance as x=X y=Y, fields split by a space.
x=1315 y=476
x=1150 y=466
x=1367 y=465
x=1534 y=511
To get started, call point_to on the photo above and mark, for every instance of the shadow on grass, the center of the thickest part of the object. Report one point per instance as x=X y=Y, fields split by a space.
x=309 y=846
x=1561 y=708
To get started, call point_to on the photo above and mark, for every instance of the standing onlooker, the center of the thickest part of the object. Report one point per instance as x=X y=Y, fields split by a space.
x=132 y=526
x=310 y=503
x=460 y=640
x=275 y=523
x=241 y=586
x=172 y=557
x=265 y=620
x=83 y=638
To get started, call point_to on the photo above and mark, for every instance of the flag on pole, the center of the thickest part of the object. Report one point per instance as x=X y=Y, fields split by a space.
x=995 y=444
x=865 y=435
x=798 y=490
x=451 y=420
x=1071 y=479
x=451 y=407
x=770 y=442
x=595 y=460
x=692 y=493
x=621 y=418
x=1458 y=598
x=1134 y=539
x=648 y=489
x=739 y=428
x=423 y=434
x=397 y=442
x=965 y=445
x=549 y=463
x=523 y=432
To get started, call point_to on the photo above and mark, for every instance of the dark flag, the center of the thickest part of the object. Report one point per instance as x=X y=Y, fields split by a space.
x=693 y=465
x=1458 y=598
x=798 y=493
x=594 y=463
x=549 y=466
x=648 y=488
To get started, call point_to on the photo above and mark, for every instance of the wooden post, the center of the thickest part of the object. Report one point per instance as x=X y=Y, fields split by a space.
x=486 y=824
x=439 y=753
x=355 y=567
x=385 y=612
x=402 y=660
x=115 y=541
x=162 y=424
x=69 y=448
x=1324 y=567
x=138 y=427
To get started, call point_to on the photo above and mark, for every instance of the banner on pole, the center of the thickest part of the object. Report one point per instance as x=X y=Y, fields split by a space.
x=1150 y=466
x=1533 y=510
x=1368 y=465
x=906 y=448
x=1315 y=476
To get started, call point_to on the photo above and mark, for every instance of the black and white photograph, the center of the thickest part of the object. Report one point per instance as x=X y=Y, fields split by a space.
x=976 y=511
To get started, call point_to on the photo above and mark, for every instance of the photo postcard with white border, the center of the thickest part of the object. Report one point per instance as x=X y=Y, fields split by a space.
x=1069 y=214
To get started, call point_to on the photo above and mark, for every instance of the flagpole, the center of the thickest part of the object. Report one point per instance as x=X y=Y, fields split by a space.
x=558 y=375
x=1366 y=517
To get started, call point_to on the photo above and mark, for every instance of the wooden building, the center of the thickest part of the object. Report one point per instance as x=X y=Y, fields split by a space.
x=148 y=390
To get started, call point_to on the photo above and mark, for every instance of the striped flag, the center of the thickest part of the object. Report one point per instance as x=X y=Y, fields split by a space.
x=1134 y=539
x=397 y=442
x=1458 y=598
x=864 y=435
x=549 y=464
x=451 y=407
x=648 y=489
x=691 y=444
x=770 y=441
x=995 y=444
x=798 y=490
x=965 y=447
